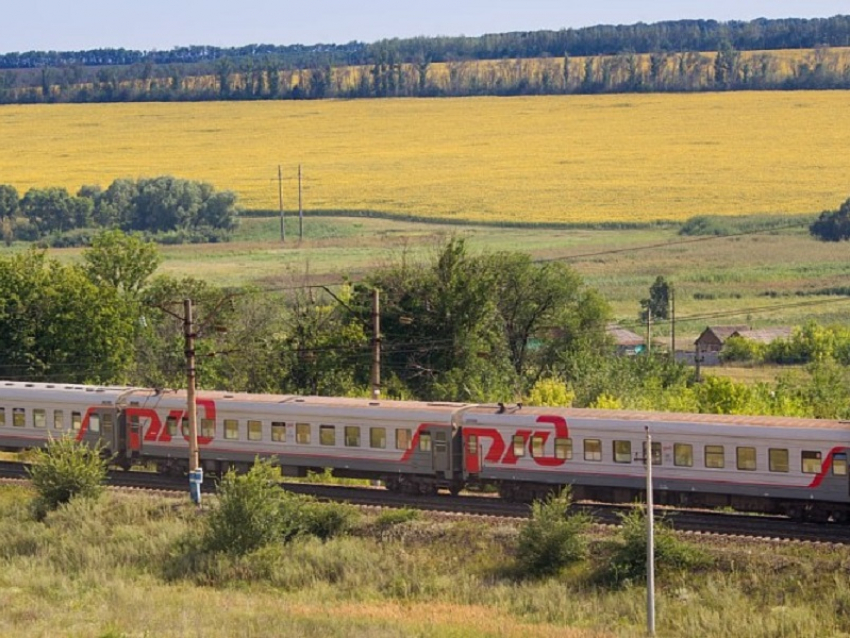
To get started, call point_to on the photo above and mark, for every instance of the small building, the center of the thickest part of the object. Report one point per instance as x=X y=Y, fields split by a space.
x=627 y=342
x=713 y=337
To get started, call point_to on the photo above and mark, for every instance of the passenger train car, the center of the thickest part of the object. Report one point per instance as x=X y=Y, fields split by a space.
x=782 y=465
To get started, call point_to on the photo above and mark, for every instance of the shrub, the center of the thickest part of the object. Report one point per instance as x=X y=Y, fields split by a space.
x=390 y=518
x=249 y=513
x=66 y=469
x=629 y=560
x=327 y=520
x=553 y=538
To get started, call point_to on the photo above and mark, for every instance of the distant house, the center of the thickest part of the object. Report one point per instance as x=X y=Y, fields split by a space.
x=765 y=335
x=713 y=337
x=627 y=342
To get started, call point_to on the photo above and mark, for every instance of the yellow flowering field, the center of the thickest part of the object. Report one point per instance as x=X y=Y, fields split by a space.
x=633 y=158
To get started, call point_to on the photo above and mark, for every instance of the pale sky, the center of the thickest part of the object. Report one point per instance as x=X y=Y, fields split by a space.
x=70 y=25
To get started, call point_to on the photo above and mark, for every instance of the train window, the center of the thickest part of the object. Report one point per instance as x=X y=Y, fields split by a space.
x=402 y=439
x=683 y=455
x=656 y=452
x=184 y=426
x=839 y=464
x=811 y=462
x=19 y=417
x=746 y=458
x=2 y=417
x=58 y=420
x=255 y=430
x=278 y=431
x=76 y=421
x=778 y=460
x=519 y=445
x=302 y=433
x=378 y=438
x=425 y=442
x=563 y=448
x=352 y=436
x=231 y=429
x=327 y=435
x=94 y=423
x=171 y=426
x=106 y=422
x=714 y=456
x=592 y=450
x=537 y=444
x=472 y=444
x=39 y=418
x=208 y=428
x=622 y=451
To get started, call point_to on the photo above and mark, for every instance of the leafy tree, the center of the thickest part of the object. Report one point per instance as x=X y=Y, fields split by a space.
x=58 y=325
x=9 y=201
x=124 y=262
x=54 y=210
x=832 y=225
x=66 y=469
x=658 y=302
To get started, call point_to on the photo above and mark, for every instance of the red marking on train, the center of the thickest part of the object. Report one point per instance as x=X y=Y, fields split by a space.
x=84 y=426
x=511 y=457
x=824 y=468
x=562 y=431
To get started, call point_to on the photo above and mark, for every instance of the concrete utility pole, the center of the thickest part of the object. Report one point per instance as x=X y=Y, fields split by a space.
x=300 y=208
x=673 y=322
x=376 y=344
x=196 y=476
x=649 y=330
x=280 y=203
x=650 y=540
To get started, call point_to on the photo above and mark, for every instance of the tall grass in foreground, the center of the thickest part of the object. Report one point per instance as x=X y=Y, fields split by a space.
x=109 y=567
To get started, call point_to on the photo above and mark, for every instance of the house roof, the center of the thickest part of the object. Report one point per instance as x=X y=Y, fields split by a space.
x=623 y=336
x=764 y=335
x=721 y=333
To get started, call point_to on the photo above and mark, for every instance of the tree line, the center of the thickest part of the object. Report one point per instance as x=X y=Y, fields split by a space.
x=455 y=326
x=175 y=210
x=685 y=55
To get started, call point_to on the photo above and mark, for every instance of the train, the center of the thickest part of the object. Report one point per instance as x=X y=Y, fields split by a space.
x=775 y=465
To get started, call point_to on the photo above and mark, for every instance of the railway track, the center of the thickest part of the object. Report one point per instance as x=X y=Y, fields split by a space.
x=696 y=522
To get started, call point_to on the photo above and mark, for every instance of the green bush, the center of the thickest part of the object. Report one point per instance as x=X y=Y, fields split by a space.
x=629 y=559
x=328 y=520
x=390 y=518
x=250 y=512
x=553 y=538
x=66 y=469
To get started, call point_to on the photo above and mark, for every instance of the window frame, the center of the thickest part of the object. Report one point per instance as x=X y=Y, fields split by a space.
x=589 y=454
x=378 y=437
x=231 y=429
x=351 y=434
x=303 y=433
x=683 y=450
x=563 y=448
x=327 y=435
x=749 y=461
x=711 y=451
x=255 y=430
x=278 y=432
x=807 y=463
x=777 y=465
x=622 y=451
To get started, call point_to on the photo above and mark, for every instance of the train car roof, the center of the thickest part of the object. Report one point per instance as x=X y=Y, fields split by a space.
x=691 y=418
x=23 y=391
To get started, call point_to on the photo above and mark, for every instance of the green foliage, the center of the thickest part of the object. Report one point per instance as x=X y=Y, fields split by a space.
x=832 y=225
x=628 y=562
x=740 y=349
x=124 y=262
x=57 y=324
x=658 y=302
x=392 y=517
x=552 y=539
x=251 y=512
x=66 y=469
x=702 y=225
x=549 y=392
x=328 y=520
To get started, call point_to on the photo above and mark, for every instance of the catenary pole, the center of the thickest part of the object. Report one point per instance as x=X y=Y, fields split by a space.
x=195 y=471
x=376 y=344
x=650 y=540
x=280 y=203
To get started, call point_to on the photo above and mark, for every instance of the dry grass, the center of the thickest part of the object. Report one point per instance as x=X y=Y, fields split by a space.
x=616 y=158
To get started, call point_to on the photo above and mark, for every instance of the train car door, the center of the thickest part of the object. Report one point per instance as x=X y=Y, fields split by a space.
x=100 y=425
x=471 y=453
x=439 y=439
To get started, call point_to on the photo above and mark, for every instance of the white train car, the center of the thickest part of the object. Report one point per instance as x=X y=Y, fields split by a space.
x=765 y=464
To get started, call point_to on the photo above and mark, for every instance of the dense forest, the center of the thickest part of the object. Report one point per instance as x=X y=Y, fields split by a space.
x=686 y=55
